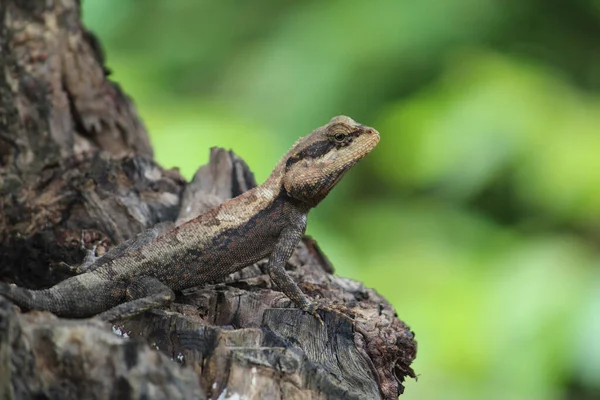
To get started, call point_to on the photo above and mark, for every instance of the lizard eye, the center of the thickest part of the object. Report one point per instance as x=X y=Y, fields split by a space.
x=339 y=137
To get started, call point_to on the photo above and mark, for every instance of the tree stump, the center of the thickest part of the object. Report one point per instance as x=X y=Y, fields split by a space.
x=76 y=166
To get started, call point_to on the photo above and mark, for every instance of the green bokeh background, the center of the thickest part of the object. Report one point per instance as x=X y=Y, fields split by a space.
x=477 y=216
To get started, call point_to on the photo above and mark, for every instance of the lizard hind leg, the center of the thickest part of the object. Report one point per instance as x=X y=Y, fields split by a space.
x=143 y=293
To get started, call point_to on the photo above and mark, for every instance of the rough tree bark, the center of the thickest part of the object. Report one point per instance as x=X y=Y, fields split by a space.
x=75 y=162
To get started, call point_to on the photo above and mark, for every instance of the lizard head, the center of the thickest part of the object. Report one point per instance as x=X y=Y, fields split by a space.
x=319 y=160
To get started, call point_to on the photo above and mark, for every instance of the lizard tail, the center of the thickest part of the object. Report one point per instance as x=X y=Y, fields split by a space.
x=46 y=299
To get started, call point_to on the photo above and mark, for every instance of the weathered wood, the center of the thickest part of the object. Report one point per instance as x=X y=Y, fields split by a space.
x=64 y=130
x=45 y=357
x=75 y=162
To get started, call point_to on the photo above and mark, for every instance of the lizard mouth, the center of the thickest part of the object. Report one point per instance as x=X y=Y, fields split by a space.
x=362 y=146
x=374 y=138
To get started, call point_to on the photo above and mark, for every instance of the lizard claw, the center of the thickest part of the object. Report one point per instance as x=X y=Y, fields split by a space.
x=63 y=266
x=318 y=318
x=312 y=309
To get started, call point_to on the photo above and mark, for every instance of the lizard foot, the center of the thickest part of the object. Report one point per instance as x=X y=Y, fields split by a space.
x=336 y=308
x=89 y=259
x=312 y=309
x=90 y=256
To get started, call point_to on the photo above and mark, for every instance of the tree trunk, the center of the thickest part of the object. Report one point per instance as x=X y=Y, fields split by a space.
x=76 y=167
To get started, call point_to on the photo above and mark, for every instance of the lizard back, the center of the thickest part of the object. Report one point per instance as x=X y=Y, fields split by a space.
x=237 y=233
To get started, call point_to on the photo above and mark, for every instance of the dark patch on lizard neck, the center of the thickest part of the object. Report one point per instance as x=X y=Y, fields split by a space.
x=302 y=205
x=315 y=150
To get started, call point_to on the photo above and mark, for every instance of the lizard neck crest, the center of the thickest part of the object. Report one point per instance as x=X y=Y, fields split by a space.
x=319 y=160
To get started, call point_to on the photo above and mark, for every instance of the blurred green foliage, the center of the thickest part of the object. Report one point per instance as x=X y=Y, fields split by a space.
x=478 y=215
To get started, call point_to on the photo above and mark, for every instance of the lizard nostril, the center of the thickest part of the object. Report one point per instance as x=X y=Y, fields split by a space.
x=367 y=129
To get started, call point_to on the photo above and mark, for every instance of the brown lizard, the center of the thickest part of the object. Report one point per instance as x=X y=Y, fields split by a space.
x=268 y=220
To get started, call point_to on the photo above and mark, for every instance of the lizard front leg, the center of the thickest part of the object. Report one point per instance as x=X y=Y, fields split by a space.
x=144 y=293
x=284 y=248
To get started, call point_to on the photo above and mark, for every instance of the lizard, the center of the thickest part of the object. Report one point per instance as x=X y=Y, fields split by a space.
x=266 y=221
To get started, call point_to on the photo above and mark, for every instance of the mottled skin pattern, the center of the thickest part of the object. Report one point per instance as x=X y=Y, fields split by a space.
x=268 y=220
